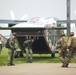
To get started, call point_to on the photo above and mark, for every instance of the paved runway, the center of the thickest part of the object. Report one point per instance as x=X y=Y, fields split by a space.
x=38 y=69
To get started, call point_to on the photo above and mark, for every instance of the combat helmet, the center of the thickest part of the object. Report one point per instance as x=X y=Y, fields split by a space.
x=62 y=34
x=71 y=33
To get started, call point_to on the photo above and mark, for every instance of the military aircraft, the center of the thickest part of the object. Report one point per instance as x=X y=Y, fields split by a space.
x=43 y=29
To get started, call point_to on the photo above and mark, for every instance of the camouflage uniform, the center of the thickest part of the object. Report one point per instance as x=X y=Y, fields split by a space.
x=11 y=51
x=28 y=48
x=62 y=50
x=1 y=42
x=71 y=50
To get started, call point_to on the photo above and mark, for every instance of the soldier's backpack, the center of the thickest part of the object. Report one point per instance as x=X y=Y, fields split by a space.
x=64 y=41
x=7 y=44
x=73 y=42
x=18 y=54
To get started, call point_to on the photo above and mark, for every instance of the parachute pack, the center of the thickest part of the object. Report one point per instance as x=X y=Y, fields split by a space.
x=73 y=42
x=64 y=41
x=7 y=44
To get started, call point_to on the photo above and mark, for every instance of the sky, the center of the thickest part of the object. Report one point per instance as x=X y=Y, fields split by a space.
x=35 y=8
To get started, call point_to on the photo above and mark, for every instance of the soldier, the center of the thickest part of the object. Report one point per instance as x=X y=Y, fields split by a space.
x=71 y=47
x=11 y=50
x=28 y=48
x=62 y=45
x=1 y=43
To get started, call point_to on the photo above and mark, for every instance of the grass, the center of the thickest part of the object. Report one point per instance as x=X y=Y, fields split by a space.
x=37 y=58
x=45 y=58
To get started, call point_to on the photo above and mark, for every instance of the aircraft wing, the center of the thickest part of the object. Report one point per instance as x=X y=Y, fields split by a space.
x=20 y=21
x=21 y=24
x=65 y=21
x=11 y=21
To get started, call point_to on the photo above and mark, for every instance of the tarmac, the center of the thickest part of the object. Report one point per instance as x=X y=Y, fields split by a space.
x=38 y=69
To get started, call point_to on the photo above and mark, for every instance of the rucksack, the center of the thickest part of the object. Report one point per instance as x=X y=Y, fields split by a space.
x=64 y=41
x=18 y=54
x=73 y=42
x=7 y=44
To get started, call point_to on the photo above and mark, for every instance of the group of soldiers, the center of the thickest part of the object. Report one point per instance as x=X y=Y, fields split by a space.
x=11 y=48
x=67 y=48
x=28 y=49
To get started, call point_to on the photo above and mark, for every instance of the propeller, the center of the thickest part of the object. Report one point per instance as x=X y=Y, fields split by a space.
x=23 y=17
x=12 y=15
x=14 y=18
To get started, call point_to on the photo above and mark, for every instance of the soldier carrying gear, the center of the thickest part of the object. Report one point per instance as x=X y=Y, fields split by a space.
x=28 y=48
x=62 y=42
x=11 y=50
x=71 y=47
